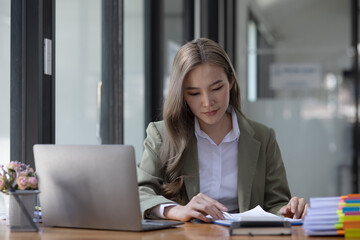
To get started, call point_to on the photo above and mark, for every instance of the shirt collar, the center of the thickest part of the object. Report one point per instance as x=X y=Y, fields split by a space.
x=233 y=135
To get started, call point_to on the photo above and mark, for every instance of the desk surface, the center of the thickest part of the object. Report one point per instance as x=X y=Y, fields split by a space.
x=186 y=231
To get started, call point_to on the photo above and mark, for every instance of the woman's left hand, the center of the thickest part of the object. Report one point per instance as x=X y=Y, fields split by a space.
x=296 y=208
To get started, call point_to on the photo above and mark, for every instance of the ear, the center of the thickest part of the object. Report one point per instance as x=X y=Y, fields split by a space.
x=232 y=80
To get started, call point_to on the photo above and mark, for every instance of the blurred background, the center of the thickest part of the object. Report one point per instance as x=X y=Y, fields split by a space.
x=296 y=62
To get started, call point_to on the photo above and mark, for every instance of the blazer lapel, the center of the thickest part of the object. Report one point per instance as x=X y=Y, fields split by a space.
x=248 y=152
x=191 y=169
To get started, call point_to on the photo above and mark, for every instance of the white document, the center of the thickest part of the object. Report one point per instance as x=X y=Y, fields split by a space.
x=255 y=214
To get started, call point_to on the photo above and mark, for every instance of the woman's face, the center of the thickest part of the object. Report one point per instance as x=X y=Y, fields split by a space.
x=207 y=92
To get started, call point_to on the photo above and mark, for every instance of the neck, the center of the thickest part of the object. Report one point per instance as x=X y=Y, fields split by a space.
x=220 y=130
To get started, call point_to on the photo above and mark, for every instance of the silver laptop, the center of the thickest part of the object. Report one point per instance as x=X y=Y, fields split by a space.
x=93 y=186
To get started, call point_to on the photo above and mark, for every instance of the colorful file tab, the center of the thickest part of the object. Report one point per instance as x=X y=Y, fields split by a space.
x=334 y=216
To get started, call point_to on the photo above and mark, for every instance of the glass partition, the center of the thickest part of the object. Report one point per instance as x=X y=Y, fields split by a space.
x=173 y=36
x=134 y=57
x=78 y=71
x=134 y=78
x=303 y=91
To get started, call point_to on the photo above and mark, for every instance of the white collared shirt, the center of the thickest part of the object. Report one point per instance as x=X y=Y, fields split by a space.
x=218 y=167
x=218 y=164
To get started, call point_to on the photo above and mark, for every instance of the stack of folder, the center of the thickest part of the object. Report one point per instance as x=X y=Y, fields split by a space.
x=333 y=216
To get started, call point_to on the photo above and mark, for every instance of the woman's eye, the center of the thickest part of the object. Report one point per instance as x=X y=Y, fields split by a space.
x=218 y=88
x=193 y=94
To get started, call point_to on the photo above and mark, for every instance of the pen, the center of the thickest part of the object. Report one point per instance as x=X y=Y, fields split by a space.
x=227 y=215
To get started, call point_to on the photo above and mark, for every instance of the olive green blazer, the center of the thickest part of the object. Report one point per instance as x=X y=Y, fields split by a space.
x=261 y=173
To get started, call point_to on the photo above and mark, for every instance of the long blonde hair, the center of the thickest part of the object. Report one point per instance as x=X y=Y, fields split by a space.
x=179 y=120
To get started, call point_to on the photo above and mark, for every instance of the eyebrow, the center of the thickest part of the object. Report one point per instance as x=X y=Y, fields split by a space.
x=214 y=83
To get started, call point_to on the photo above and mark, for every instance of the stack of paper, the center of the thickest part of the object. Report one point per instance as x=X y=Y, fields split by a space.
x=333 y=216
x=255 y=222
x=349 y=215
x=255 y=214
x=322 y=216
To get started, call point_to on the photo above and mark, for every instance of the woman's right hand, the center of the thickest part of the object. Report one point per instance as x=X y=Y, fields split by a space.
x=199 y=206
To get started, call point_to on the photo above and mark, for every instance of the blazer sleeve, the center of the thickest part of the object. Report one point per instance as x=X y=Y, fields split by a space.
x=277 y=193
x=150 y=177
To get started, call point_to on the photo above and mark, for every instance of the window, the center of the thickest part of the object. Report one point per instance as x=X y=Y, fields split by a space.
x=134 y=117
x=252 y=62
x=78 y=71
x=5 y=88
x=297 y=86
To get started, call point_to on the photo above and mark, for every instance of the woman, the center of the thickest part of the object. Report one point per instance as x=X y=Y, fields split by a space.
x=206 y=157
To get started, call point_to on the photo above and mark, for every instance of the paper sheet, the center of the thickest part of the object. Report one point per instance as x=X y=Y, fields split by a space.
x=255 y=213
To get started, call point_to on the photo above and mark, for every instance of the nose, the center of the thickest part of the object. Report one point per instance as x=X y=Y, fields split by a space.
x=206 y=100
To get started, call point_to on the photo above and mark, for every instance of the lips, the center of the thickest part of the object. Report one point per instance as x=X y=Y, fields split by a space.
x=209 y=114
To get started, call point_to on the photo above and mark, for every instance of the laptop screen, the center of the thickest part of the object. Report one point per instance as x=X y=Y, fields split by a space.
x=88 y=186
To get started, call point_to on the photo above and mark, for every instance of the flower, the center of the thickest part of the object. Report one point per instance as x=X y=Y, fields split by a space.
x=22 y=182
x=32 y=182
x=2 y=182
x=17 y=176
x=14 y=166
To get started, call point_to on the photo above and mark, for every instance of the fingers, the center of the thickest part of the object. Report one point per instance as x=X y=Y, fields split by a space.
x=202 y=205
x=200 y=215
x=183 y=213
x=300 y=208
x=286 y=210
x=296 y=208
x=199 y=207
x=305 y=210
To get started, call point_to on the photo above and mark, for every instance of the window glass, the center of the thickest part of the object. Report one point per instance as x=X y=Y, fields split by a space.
x=304 y=89
x=173 y=36
x=78 y=71
x=252 y=62
x=5 y=88
x=134 y=57
x=134 y=111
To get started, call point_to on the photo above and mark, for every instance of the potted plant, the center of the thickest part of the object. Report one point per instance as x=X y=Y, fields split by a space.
x=20 y=182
